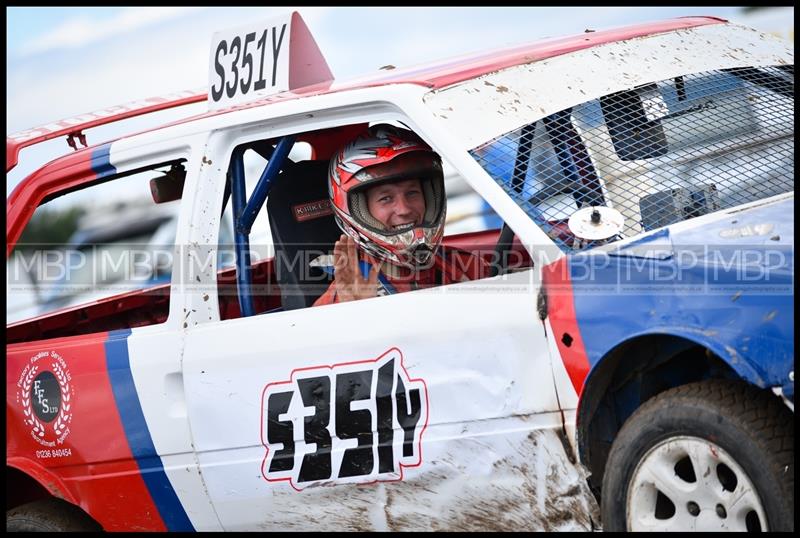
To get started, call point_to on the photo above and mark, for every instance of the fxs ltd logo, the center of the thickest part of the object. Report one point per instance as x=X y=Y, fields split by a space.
x=352 y=422
x=44 y=391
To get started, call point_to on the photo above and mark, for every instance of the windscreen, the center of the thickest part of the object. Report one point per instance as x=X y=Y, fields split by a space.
x=658 y=153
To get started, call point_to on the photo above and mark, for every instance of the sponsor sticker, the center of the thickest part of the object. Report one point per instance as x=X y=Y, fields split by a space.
x=312 y=210
x=45 y=393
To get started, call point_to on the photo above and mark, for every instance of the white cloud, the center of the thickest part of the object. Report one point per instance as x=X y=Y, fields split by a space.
x=161 y=62
x=144 y=63
x=80 y=31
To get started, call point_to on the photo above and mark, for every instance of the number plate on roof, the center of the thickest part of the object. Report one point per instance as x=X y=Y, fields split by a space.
x=251 y=62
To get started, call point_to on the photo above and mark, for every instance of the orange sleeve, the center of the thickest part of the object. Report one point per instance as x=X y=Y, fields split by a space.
x=329 y=297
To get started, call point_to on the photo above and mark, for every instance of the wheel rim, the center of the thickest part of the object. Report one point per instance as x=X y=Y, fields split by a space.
x=688 y=483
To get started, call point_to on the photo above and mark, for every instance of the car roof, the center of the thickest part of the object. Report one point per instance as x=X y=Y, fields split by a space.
x=434 y=75
x=443 y=73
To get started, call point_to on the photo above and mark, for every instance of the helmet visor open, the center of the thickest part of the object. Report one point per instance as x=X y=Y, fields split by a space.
x=423 y=165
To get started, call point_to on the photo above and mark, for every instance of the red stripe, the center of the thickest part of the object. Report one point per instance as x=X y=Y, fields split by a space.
x=68 y=126
x=561 y=312
x=71 y=170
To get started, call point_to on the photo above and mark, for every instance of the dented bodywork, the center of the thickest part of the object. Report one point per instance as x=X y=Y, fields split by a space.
x=733 y=295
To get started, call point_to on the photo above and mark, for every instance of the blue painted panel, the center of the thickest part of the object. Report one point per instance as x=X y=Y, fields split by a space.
x=727 y=285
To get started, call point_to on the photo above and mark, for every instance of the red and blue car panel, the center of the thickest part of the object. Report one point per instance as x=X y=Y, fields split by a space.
x=733 y=296
x=113 y=465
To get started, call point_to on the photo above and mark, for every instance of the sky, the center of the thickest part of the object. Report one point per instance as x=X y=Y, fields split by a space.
x=62 y=62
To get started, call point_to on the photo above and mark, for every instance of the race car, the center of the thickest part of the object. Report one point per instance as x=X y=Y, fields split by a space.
x=627 y=365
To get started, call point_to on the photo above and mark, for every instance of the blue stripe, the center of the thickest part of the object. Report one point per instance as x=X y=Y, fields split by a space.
x=139 y=440
x=365 y=267
x=101 y=161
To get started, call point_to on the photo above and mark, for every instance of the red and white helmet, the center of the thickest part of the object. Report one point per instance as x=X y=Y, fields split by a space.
x=387 y=153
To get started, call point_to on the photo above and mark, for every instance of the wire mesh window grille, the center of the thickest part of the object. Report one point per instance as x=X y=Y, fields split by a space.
x=659 y=153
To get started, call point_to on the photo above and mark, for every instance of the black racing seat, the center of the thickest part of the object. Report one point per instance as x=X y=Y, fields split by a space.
x=303 y=227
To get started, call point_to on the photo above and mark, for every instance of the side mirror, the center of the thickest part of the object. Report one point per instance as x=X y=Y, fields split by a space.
x=168 y=187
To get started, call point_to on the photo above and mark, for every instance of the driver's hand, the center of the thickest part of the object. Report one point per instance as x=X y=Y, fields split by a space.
x=350 y=285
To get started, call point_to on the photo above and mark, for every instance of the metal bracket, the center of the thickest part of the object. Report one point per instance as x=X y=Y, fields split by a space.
x=81 y=138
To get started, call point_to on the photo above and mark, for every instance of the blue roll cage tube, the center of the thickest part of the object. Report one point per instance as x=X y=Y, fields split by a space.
x=245 y=213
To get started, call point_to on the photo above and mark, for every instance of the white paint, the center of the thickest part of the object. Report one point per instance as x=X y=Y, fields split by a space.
x=155 y=361
x=155 y=351
x=268 y=53
x=223 y=405
x=496 y=380
x=510 y=98
x=228 y=364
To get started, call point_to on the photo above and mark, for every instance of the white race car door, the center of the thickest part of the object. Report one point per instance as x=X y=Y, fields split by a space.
x=431 y=409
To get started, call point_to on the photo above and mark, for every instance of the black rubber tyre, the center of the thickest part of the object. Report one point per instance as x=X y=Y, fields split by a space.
x=752 y=426
x=49 y=515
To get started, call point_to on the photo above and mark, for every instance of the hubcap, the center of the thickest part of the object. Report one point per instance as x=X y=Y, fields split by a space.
x=688 y=483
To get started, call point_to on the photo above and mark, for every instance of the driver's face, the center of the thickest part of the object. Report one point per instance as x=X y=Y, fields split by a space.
x=397 y=205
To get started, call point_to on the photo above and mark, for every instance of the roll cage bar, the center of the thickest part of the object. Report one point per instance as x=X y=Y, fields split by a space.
x=245 y=212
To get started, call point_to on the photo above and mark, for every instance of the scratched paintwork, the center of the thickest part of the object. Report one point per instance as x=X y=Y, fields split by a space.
x=515 y=482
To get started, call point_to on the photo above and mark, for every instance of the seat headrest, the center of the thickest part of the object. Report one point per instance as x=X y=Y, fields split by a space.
x=303 y=227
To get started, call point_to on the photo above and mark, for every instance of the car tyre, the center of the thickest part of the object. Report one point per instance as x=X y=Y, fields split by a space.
x=49 y=515
x=713 y=455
